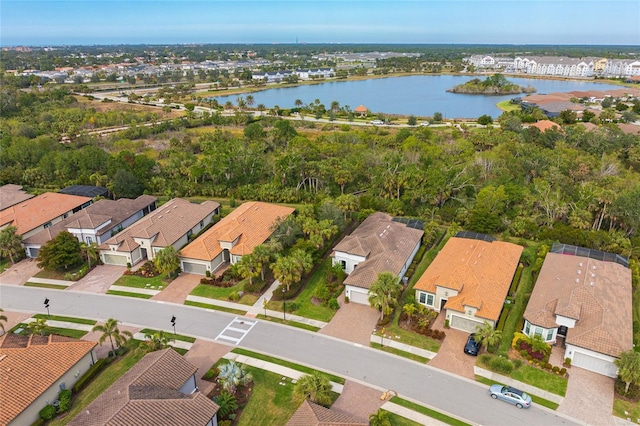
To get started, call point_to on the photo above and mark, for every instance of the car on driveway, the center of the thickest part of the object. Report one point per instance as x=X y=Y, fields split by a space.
x=511 y=395
x=472 y=347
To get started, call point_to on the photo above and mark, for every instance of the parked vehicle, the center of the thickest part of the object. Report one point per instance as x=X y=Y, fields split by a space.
x=377 y=122
x=472 y=347
x=511 y=395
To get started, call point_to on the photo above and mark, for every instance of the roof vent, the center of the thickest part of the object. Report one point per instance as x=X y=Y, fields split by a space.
x=595 y=267
x=577 y=280
x=160 y=216
x=593 y=275
x=592 y=283
x=580 y=264
x=579 y=271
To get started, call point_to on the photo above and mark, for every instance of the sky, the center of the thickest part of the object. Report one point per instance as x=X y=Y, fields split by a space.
x=95 y=22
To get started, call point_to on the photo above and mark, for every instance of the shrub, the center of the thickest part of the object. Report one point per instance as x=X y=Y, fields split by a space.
x=567 y=362
x=501 y=365
x=254 y=287
x=207 y=274
x=91 y=372
x=48 y=412
x=517 y=363
x=333 y=303
x=234 y=296
x=65 y=401
x=547 y=366
x=556 y=369
x=563 y=371
x=524 y=353
x=322 y=293
x=485 y=359
x=346 y=299
x=446 y=323
x=292 y=306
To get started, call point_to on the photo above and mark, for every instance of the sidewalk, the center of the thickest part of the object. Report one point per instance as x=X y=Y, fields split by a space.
x=50 y=281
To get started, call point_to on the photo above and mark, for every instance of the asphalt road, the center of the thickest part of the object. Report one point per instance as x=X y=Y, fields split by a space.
x=432 y=387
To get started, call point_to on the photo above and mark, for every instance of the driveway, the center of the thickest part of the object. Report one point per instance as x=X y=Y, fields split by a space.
x=358 y=400
x=178 y=290
x=353 y=322
x=589 y=397
x=19 y=273
x=99 y=279
x=451 y=357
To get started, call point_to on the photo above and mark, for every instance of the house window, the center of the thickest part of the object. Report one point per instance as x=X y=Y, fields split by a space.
x=343 y=264
x=550 y=334
x=189 y=233
x=422 y=298
x=89 y=240
x=47 y=225
x=538 y=331
x=201 y=223
x=430 y=299
x=527 y=328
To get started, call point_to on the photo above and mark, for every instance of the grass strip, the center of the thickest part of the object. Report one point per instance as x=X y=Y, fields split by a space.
x=408 y=355
x=289 y=322
x=271 y=402
x=170 y=335
x=428 y=412
x=44 y=285
x=215 y=307
x=65 y=319
x=292 y=365
x=536 y=399
x=127 y=294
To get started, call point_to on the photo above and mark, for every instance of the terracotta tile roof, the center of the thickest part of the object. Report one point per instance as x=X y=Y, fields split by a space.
x=95 y=215
x=543 y=125
x=249 y=225
x=11 y=195
x=310 y=414
x=480 y=271
x=360 y=108
x=148 y=394
x=598 y=298
x=29 y=365
x=629 y=128
x=387 y=245
x=166 y=225
x=39 y=210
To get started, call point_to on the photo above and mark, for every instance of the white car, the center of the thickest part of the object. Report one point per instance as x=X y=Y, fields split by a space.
x=377 y=122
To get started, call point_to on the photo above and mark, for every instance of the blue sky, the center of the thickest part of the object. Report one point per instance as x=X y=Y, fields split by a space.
x=84 y=22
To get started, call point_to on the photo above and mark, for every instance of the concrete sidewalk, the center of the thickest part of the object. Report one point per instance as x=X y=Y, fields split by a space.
x=50 y=281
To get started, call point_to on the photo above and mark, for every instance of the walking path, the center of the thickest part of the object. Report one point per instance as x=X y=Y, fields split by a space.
x=50 y=281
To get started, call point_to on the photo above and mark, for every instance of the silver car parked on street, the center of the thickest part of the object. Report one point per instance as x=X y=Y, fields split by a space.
x=510 y=394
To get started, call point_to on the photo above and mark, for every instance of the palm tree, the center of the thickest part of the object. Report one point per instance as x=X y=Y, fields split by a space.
x=315 y=387
x=38 y=326
x=3 y=320
x=11 y=243
x=232 y=375
x=155 y=341
x=298 y=103
x=380 y=418
x=628 y=368
x=262 y=254
x=487 y=335
x=384 y=292
x=111 y=331
x=91 y=252
x=248 y=267
x=410 y=310
x=227 y=404
x=250 y=101
x=167 y=260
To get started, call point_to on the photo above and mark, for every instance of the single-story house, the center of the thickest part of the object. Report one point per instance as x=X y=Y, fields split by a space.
x=587 y=304
x=233 y=237
x=171 y=224
x=469 y=279
x=11 y=194
x=378 y=245
x=159 y=390
x=312 y=414
x=34 y=369
x=96 y=223
x=37 y=213
x=361 y=110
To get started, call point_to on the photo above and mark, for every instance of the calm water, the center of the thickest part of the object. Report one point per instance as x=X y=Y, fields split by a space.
x=413 y=95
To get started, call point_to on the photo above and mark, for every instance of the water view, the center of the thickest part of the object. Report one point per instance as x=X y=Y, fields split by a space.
x=412 y=95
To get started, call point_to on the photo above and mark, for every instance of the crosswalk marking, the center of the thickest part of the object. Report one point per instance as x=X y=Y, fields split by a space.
x=237 y=329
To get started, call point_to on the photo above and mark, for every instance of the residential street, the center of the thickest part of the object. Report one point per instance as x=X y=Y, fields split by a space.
x=445 y=392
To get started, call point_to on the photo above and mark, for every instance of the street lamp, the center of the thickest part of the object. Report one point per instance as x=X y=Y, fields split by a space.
x=173 y=323
x=284 y=305
x=46 y=305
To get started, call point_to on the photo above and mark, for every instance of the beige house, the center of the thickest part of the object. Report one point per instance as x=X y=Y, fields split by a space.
x=378 y=245
x=34 y=369
x=233 y=237
x=586 y=303
x=159 y=390
x=169 y=225
x=469 y=279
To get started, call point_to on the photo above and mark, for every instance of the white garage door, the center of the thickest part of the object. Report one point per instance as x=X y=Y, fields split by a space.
x=592 y=363
x=359 y=296
x=194 y=268
x=112 y=259
x=464 y=324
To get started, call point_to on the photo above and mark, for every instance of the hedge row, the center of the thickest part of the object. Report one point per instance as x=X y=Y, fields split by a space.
x=86 y=377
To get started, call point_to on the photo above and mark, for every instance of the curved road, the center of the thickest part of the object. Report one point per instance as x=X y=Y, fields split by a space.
x=432 y=387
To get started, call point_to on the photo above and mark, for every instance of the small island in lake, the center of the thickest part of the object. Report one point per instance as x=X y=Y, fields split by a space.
x=497 y=84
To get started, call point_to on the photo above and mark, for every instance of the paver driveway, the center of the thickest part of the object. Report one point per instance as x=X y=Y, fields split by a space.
x=353 y=322
x=99 y=279
x=19 y=273
x=451 y=357
x=589 y=397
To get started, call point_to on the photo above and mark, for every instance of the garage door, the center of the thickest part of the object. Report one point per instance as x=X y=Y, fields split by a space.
x=33 y=252
x=464 y=324
x=592 y=363
x=358 y=296
x=112 y=259
x=194 y=268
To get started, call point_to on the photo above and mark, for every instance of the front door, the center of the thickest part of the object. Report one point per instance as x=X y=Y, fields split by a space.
x=442 y=303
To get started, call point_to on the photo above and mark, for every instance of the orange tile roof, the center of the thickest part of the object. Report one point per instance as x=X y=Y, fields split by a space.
x=39 y=210
x=310 y=414
x=11 y=195
x=249 y=225
x=149 y=394
x=360 y=108
x=543 y=125
x=598 y=297
x=480 y=271
x=29 y=365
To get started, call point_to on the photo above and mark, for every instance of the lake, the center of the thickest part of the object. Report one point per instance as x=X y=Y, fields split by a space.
x=412 y=95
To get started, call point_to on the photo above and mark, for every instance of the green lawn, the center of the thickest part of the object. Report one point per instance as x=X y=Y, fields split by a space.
x=43 y=285
x=401 y=353
x=541 y=379
x=428 y=412
x=100 y=383
x=57 y=275
x=271 y=404
x=536 y=399
x=65 y=319
x=397 y=420
x=215 y=307
x=76 y=334
x=278 y=361
x=223 y=293
x=306 y=308
x=289 y=322
x=620 y=408
x=508 y=106
x=142 y=282
x=127 y=294
x=170 y=335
